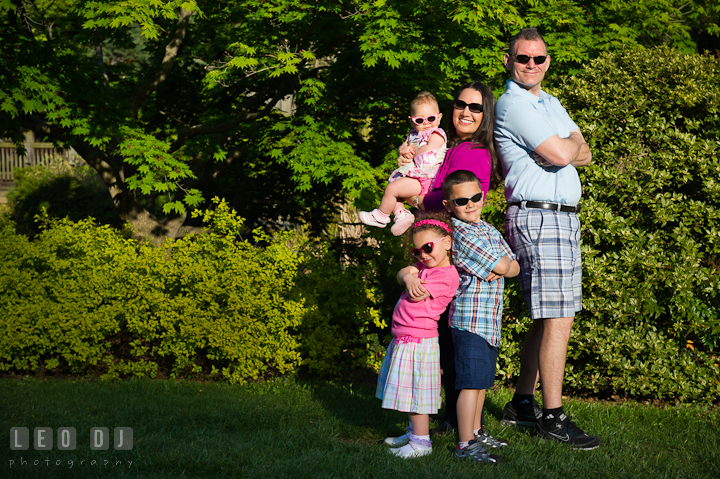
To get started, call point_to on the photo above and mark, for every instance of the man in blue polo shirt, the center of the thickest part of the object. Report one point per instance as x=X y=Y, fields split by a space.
x=540 y=148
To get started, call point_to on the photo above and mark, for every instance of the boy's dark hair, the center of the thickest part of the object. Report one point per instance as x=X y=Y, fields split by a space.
x=458 y=177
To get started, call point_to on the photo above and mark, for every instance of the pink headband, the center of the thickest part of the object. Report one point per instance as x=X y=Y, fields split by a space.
x=432 y=222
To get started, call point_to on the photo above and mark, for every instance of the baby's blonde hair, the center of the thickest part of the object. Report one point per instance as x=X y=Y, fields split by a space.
x=423 y=97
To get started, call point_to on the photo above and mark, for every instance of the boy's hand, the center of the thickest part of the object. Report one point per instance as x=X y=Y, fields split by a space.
x=492 y=277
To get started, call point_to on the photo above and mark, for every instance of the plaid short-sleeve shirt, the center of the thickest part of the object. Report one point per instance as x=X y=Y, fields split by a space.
x=477 y=306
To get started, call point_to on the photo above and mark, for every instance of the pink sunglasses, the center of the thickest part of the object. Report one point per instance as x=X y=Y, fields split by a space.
x=419 y=120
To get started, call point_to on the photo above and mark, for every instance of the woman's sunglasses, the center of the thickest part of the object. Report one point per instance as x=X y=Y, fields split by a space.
x=539 y=60
x=464 y=201
x=474 y=107
x=419 y=120
x=426 y=248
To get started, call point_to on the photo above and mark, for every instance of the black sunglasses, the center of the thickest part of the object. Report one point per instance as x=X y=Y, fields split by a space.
x=426 y=248
x=474 y=107
x=539 y=60
x=464 y=201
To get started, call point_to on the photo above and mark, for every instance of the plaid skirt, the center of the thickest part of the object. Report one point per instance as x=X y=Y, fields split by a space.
x=410 y=376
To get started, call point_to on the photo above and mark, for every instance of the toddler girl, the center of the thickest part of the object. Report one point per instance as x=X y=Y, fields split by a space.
x=429 y=143
x=410 y=375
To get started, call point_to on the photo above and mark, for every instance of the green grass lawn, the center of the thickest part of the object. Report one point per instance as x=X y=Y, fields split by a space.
x=298 y=429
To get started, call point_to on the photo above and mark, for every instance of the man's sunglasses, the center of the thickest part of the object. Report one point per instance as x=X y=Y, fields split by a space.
x=474 y=107
x=464 y=201
x=539 y=60
x=426 y=248
x=419 y=120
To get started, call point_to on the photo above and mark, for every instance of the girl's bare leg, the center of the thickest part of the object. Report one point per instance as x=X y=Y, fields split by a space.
x=396 y=191
x=420 y=422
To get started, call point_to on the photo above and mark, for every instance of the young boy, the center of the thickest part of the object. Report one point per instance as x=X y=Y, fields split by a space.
x=483 y=259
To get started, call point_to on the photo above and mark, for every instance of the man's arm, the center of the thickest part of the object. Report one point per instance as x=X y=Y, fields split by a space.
x=572 y=150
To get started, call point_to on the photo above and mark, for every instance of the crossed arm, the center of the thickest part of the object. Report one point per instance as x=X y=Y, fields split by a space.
x=408 y=277
x=505 y=268
x=556 y=151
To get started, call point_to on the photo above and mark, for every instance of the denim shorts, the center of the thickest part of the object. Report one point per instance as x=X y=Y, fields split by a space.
x=547 y=246
x=475 y=360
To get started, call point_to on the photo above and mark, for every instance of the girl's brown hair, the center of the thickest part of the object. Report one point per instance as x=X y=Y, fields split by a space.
x=443 y=217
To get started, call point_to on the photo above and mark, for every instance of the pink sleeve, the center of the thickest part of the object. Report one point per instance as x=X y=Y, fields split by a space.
x=465 y=156
x=442 y=282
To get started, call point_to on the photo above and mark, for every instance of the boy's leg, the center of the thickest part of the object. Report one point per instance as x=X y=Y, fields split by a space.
x=396 y=191
x=477 y=423
x=447 y=364
x=467 y=405
x=479 y=431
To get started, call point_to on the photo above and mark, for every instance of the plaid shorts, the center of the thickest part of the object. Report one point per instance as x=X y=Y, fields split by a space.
x=547 y=246
x=409 y=378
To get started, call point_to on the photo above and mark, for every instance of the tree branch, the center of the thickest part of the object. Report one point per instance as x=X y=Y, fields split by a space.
x=192 y=131
x=106 y=167
x=171 y=52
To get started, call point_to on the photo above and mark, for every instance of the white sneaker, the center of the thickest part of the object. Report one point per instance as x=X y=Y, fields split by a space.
x=367 y=217
x=412 y=449
x=400 y=440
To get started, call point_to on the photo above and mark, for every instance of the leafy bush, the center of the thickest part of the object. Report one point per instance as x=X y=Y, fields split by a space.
x=83 y=298
x=63 y=190
x=651 y=226
x=340 y=328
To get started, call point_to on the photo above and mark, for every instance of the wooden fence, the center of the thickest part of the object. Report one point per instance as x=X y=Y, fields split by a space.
x=37 y=153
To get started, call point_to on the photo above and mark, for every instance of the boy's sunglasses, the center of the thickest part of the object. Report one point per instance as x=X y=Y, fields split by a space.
x=474 y=107
x=539 y=60
x=426 y=248
x=419 y=120
x=464 y=201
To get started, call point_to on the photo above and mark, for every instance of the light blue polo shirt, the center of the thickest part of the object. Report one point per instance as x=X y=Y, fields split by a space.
x=522 y=122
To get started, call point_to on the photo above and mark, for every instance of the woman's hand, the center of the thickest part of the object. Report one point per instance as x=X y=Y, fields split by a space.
x=417 y=202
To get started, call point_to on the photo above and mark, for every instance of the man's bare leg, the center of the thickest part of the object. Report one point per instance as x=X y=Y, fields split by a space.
x=551 y=359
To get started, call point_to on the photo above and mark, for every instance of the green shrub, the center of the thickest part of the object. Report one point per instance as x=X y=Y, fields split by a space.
x=342 y=320
x=651 y=225
x=63 y=190
x=83 y=298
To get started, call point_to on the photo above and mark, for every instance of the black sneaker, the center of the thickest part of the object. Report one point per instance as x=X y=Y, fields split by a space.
x=566 y=431
x=527 y=414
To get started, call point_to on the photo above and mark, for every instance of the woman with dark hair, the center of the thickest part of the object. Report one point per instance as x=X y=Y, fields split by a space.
x=471 y=147
x=470 y=144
